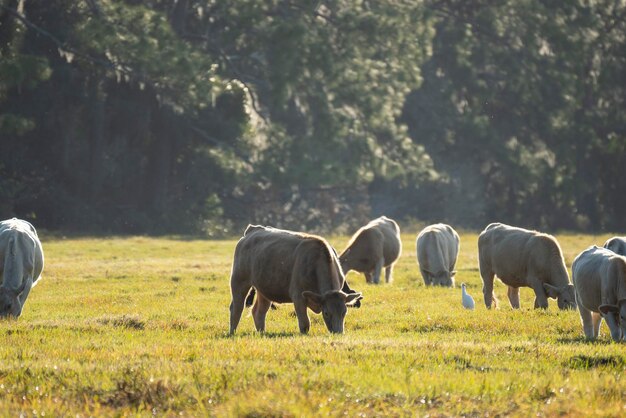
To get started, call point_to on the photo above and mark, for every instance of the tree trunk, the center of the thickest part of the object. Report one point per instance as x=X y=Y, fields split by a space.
x=159 y=165
x=96 y=152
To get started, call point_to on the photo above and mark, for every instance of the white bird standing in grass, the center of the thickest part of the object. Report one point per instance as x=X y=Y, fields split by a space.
x=468 y=301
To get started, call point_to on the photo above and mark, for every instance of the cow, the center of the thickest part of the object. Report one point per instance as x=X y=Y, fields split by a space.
x=374 y=246
x=617 y=245
x=437 y=252
x=599 y=277
x=21 y=264
x=523 y=258
x=288 y=267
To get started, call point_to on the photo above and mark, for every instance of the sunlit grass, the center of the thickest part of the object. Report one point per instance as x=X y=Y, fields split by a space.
x=136 y=326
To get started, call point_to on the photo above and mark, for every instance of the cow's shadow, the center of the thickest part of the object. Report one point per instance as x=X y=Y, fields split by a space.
x=266 y=334
x=584 y=340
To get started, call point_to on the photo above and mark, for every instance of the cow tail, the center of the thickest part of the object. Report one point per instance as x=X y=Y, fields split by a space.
x=494 y=302
x=250 y=297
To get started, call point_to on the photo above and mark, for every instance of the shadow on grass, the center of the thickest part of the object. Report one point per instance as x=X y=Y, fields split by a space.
x=583 y=362
x=266 y=334
x=583 y=340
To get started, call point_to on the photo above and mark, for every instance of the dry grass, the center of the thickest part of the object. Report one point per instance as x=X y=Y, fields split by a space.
x=138 y=326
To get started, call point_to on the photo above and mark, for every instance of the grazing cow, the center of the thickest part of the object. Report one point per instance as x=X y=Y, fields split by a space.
x=288 y=267
x=617 y=245
x=520 y=257
x=21 y=264
x=599 y=277
x=374 y=246
x=437 y=251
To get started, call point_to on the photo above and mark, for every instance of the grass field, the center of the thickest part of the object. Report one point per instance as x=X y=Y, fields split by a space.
x=138 y=326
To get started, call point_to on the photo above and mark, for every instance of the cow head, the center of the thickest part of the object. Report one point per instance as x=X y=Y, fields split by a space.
x=564 y=295
x=333 y=306
x=619 y=315
x=443 y=278
x=10 y=305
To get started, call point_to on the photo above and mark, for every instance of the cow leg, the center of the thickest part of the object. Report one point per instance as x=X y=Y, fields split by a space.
x=22 y=297
x=426 y=276
x=541 y=299
x=488 y=290
x=259 y=311
x=611 y=321
x=238 y=291
x=388 y=274
x=303 y=317
x=589 y=322
x=378 y=269
x=368 y=276
x=596 y=319
x=513 y=294
x=488 y=276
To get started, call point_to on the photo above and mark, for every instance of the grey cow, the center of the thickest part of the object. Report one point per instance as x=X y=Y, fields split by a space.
x=21 y=264
x=523 y=258
x=374 y=246
x=599 y=277
x=437 y=251
x=288 y=267
x=617 y=245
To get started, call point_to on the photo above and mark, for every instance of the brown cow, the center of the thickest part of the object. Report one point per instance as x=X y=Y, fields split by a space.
x=288 y=267
x=520 y=257
x=374 y=246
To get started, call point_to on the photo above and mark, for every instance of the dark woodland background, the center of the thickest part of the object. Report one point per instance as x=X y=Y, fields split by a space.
x=197 y=117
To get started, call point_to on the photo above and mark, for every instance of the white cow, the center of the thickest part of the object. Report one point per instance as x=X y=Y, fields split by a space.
x=616 y=244
x=523 y=258
x=437 y=251
x=599 y=277
x=21 y=264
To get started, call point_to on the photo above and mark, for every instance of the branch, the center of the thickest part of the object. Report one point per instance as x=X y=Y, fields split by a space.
x=239 y=76
x=64 y=47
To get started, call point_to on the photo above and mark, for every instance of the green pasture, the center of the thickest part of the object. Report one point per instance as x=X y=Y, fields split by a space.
x=138 y=326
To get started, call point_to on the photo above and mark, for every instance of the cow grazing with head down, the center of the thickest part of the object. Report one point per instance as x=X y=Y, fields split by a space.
x=437 y=252
x=599 y=277
x=374 y=246
x=523 y=258
x=21 y=264
x=617 y=245
x=288 y=267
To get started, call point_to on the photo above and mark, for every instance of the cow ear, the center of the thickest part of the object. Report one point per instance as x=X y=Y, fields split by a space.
x=551 y=291
x=353 y=298
x=606 y=309
x=313 y=301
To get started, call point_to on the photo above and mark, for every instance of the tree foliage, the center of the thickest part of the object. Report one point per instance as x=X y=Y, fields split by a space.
x=189 y=116
x=521 y=106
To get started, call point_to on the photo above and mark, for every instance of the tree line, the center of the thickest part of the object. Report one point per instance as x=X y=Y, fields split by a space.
x=125 y=116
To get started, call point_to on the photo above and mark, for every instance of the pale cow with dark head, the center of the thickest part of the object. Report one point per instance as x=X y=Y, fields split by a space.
x=523 y=258
x=599 y=277
x=375 y=246
x=21 y=264
x=437 y=250
x=288 y=267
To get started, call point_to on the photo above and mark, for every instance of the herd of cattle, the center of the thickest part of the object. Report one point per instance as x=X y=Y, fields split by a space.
x=293 y=267
x=285 y=266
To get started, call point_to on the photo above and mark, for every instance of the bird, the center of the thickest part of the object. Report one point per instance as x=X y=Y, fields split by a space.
x=466 y=299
